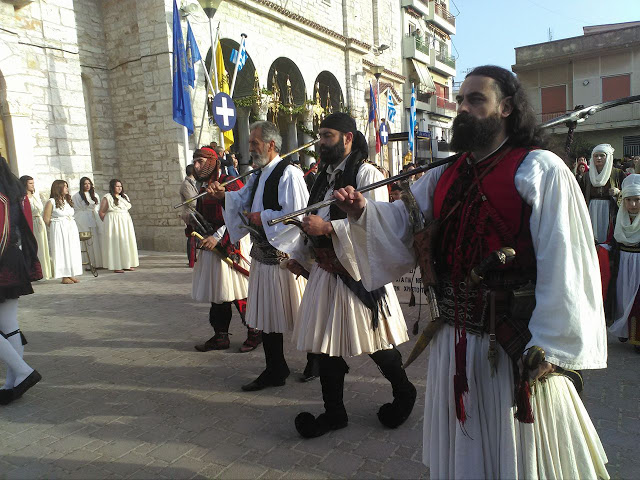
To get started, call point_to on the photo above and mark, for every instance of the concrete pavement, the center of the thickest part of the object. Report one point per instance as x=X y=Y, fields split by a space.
x=125 y=395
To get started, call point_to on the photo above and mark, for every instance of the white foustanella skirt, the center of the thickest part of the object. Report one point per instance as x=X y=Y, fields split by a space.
x=274 y=298
x=214 y=281
x=561 y=443
x=334 y=321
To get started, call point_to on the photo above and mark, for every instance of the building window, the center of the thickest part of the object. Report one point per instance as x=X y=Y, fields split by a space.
x=616 y=87
x=554 y=101
x=412 y=28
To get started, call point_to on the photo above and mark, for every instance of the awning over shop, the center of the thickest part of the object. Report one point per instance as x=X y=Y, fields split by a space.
x=425 y=77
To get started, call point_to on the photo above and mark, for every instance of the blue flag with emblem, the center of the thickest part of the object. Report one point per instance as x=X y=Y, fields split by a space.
x=193 y=56
x=372 y=104
x=182 y=113
x=412 y=119
x=243 y=57
x=391 y=109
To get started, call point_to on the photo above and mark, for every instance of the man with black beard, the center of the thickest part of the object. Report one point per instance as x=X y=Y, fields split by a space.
x=276 y=189
x=338 y=317
x=534 y=318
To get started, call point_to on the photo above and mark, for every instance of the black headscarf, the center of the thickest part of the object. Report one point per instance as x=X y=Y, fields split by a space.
x=10 y=185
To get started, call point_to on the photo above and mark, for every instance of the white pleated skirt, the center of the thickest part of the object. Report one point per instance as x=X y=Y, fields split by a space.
x=214 y=281
x=334 y=321
x=64 y=248
x=562 y=442
x=86 y=222
x=627 y=285
x=119 y=246
x=599 y=213
x=274 y=298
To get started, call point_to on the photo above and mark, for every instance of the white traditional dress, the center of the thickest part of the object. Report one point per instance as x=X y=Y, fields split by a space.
x=119 y=247
x=332 y=319
x=274 y=292
x=627 y=235
x=88 y=220
x=568 y=323
x=64 y=242
x=40 y=232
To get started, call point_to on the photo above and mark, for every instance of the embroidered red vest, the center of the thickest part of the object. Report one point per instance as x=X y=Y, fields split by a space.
x=490 y=217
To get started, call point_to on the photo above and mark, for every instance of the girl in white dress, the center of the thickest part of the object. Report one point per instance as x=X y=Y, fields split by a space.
x=64 y=241
x=625 y=281
x=39 y=228
x=86 y=204
x=119 y=247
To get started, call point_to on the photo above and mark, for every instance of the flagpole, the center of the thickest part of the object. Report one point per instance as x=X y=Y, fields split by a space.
x=186 y=145
x=235 y=70
x=214 y=45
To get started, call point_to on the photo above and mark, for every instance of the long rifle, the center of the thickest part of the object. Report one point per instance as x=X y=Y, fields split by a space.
x=250 y=172
x=570 y=120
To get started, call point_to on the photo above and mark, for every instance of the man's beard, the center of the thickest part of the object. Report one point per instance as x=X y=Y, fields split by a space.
x=334 y=154
x=259 y=160
x=471 y=133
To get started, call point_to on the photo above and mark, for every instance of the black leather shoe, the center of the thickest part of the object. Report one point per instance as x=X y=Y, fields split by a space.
x=309 y=426
x=26 y=384
x=392 y=415
x=263 y=381
x=307 y=377
x=6 y=396
x=220 y=341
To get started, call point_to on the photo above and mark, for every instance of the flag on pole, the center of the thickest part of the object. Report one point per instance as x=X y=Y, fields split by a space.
x=243 y=56
x=223 y=86
x=182 y=113
x=373 y=116
x=391 y=109
x=412 y=120
x=193 y=55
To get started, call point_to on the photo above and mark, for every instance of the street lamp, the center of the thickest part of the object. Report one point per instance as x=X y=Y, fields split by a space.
x=210 y=7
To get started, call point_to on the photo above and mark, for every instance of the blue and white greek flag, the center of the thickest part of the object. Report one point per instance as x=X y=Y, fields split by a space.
x=243 y=57
x=391 y=109
x=412 y=119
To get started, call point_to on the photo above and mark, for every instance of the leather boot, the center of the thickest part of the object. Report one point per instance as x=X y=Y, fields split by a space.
x=220 y=341
x=394 y=414
x=332 y=372
x=312 y=369
x=254 y=338
x=276 y=371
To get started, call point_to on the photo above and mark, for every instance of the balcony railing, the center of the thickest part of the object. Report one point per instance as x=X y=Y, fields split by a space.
x=441 y=10
x=423 y=96
x=446 y=104
x=421 y=43
x=446 y=59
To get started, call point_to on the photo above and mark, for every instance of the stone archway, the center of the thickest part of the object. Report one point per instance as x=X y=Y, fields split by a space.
x=287 y=84
x=328 y=92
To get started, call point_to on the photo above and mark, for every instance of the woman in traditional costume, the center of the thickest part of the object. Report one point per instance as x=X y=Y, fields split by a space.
x=19 y=266
x=64 y=240
x=39 y=228
x=623 y=298
x=119 y=247
x=86 y=204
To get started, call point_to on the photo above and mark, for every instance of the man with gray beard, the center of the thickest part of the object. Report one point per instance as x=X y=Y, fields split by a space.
x=276 y=189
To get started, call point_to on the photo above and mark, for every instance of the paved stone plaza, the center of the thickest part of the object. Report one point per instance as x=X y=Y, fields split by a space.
x=125 y=395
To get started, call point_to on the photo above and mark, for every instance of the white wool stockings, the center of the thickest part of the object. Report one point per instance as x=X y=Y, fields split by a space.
x=11 y=349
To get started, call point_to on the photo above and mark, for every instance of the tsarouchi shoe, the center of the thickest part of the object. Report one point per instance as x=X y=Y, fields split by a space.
x=220 y=341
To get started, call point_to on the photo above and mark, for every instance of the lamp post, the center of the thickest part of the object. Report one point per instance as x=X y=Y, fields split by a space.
x=210 y=7
x=377 y=72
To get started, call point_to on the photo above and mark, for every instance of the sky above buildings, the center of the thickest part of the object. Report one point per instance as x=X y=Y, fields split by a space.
x=489 y=30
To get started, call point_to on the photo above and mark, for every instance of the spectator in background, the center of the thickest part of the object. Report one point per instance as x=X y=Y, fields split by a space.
x=39 y=227
x=232 y=167
x=310 y=176
x=581 y=169
x=119 y=247
x=395 y=193
x=64 y=241
x=189 y=190
x=19 y=266
x=86 y=204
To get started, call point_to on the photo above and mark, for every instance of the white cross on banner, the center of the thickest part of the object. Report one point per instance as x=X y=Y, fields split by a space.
x=384 y=134
x=224 y=111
